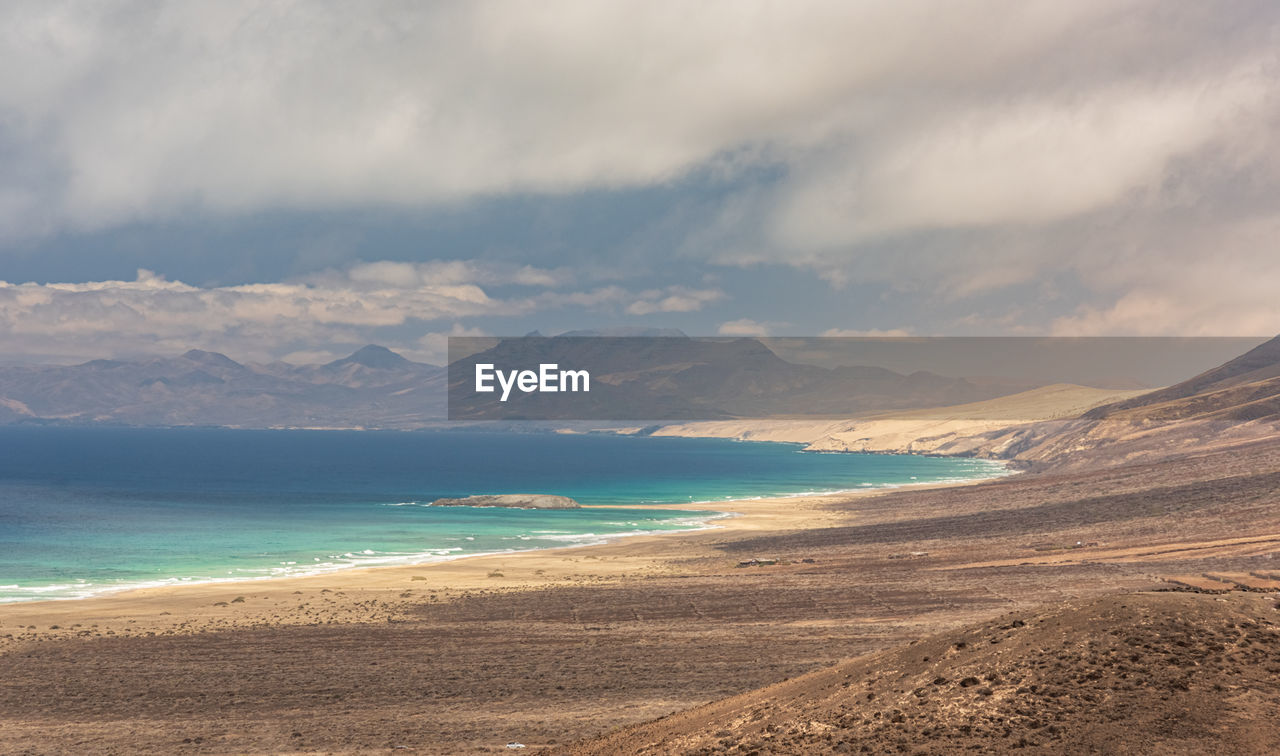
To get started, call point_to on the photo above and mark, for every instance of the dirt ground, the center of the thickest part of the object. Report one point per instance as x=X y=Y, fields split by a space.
x=1168 y=673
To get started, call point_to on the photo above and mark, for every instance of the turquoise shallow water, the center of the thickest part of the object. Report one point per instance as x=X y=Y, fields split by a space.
x=86 y=510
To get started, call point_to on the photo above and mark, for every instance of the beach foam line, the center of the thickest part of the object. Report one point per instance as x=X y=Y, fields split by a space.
x=429 y=557
x=370 y=558
x=862 y=488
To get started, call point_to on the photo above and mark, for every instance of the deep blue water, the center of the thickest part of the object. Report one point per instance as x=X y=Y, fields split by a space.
x=89 y=509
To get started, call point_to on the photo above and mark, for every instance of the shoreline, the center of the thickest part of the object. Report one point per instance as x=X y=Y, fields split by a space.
x=379 y=593
x=718 y=506
x=182 y=583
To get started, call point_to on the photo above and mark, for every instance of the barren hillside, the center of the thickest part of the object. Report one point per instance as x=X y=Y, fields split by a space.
x=1170 y=673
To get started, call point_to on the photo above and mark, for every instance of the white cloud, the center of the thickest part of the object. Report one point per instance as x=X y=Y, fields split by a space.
x=673 y=299
x=1188 y=292
x=1034 y=161
x=145 y=109
x=152 y=315
x=743 y=327
x=963 y=151
x=868 y=333
x=300 y=319
x=409 y=275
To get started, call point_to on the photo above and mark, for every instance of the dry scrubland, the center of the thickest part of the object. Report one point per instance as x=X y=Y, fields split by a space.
x=1145 y=673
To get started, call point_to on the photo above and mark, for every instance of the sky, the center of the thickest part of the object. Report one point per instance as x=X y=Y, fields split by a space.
x=291 y=180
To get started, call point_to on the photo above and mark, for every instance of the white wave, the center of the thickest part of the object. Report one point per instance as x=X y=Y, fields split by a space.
x=696 y=520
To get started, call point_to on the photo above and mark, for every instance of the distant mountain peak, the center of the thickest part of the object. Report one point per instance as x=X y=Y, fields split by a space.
x=374 y=356
x=210 y=358
x=103 y=364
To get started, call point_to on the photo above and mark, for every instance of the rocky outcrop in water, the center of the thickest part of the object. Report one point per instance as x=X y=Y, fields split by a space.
x=514 y=501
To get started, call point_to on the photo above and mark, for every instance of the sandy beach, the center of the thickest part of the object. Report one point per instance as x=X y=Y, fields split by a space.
x=380 y=594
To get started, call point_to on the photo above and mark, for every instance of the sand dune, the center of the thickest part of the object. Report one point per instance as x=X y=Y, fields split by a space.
x=959 y=429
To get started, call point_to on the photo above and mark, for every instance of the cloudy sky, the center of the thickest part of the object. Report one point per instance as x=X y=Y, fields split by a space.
x=295 y=179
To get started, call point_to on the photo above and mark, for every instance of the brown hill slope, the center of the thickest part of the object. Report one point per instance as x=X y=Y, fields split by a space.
x=1236 y=402
x=1163 y=673
x=1257 y=365
x=1215 y=418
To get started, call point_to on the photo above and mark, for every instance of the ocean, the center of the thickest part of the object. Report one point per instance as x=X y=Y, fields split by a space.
x=95 y=509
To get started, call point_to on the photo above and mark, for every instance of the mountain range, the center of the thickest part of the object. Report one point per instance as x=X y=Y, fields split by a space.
x=657 y=376
x=372 y=388
x=375 y=388
x=682 y=378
